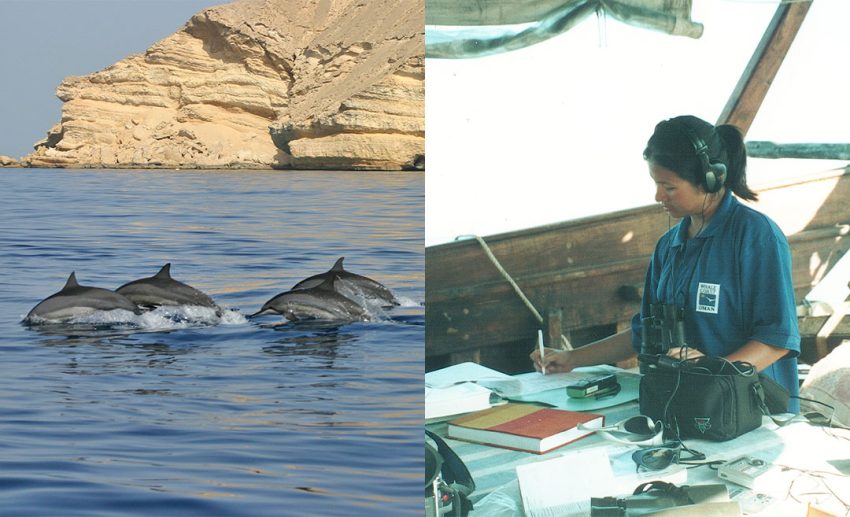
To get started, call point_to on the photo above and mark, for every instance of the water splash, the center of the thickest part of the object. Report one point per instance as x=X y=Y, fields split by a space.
x=408 y=302
x=161 y=318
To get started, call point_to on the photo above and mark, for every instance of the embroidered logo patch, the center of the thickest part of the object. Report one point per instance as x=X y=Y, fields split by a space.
x=708 y=297
x=702 y=424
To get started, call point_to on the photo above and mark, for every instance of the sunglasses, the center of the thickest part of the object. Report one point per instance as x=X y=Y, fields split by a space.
x=635 y=430
x=657 y=458
x=661 y=457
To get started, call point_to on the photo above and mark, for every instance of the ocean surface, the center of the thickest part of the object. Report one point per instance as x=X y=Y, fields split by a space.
x=183 y=411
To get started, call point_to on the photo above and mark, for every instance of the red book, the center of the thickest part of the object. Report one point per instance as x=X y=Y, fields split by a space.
x=524 y=427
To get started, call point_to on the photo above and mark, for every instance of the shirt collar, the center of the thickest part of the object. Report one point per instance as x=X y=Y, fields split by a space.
x=715 y=225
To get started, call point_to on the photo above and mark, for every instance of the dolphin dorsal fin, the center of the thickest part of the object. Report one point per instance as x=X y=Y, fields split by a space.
x=338 y=265
x=72 y=281
x=327 y=284
x=165 y=272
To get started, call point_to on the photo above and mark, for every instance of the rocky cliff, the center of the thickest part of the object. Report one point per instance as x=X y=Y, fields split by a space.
x=326 y=84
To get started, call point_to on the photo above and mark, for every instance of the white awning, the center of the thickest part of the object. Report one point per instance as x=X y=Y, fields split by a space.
x=475 y=28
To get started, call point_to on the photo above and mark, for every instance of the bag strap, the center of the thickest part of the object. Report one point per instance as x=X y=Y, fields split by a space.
x=457 y=471
x=456 y=474
x=761 y=400
x=678 y=493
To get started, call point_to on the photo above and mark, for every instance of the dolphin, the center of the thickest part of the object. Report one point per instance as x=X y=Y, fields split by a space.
x=351 y=283
x=78 y=300
x=161 y=289
x=321 y=302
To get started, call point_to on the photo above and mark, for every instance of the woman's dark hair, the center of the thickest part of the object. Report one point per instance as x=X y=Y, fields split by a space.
x=672 y=147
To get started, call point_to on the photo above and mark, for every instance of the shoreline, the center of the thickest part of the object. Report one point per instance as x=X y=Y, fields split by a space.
x=198 y=167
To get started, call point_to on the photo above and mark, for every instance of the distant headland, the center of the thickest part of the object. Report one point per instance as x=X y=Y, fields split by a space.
x=255 y=84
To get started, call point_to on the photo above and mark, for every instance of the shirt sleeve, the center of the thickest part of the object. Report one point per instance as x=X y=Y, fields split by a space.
x=767 y=288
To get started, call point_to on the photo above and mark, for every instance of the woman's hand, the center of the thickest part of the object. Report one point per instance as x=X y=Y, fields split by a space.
x=554 y=361
x=681 y=353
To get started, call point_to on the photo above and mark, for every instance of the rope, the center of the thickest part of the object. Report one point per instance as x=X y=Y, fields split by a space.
x=565 y=343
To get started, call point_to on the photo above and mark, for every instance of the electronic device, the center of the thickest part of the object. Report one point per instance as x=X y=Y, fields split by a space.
x=758 y=475
x=743 y=471
x=593 y=386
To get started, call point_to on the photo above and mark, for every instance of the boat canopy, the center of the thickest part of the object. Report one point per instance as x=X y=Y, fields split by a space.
x=456 y=29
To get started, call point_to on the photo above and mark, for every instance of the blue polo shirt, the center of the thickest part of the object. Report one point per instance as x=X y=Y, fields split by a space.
x=734 y=281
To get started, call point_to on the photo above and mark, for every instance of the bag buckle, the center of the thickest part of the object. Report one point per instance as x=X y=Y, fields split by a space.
x=758 y=391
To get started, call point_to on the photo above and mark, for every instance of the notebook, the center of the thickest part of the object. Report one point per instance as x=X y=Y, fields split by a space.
x=524 y=427
x=455 y=400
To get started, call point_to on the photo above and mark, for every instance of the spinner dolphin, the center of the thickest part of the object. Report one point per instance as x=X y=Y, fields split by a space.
x=76 y=300
x=161 y=289
x=320 y=302
x=352 y=285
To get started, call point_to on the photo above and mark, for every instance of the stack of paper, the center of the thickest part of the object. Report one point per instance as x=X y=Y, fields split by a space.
x=456 y=399
x=454 y=390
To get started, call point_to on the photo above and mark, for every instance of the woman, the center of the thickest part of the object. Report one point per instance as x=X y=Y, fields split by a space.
x=725 y=266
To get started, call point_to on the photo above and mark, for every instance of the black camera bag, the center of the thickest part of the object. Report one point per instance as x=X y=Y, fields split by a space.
x=707 y=398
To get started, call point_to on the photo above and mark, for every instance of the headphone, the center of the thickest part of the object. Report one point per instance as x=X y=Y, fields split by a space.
x=714 y=174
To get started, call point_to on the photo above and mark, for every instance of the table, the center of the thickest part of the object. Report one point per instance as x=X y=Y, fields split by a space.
x=821 y=454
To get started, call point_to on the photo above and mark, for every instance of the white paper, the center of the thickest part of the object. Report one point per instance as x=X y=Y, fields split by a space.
x=563 y=486
x=503 y=384
x=630 y=384
x=463 y=372
x=533 y=382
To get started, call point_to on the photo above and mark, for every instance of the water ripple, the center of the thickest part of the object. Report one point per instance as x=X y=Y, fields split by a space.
x=185 y=412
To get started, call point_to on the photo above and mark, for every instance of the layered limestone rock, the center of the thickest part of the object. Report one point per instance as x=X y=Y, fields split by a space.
x=8 y=161
x=326 y=84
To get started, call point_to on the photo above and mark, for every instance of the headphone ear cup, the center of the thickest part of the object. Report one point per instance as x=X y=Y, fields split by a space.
x=715 y=176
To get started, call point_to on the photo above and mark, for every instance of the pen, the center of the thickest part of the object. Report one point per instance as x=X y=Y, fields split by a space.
x=540 y=344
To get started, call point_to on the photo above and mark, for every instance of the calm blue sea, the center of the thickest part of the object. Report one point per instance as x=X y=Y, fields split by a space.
x=186 y=413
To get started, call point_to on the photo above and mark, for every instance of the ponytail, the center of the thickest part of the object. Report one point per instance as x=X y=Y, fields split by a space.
x=736 y=161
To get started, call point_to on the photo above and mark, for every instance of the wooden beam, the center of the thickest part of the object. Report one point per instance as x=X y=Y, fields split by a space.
x=746 y=99
x=810 y=151
x=576 y=271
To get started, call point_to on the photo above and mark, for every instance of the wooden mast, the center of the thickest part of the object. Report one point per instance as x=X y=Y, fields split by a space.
x=744 y=103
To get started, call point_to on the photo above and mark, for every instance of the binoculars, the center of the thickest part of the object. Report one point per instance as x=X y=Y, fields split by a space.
x=662 y=330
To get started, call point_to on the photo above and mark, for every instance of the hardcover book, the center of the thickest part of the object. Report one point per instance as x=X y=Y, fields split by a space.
x=524 y=427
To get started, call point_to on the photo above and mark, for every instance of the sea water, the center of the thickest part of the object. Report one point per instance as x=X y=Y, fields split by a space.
x=183 y=411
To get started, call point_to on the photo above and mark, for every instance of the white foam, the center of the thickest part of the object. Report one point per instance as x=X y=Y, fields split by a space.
x=232 y=317
x=407 y=302
x=161 y=318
